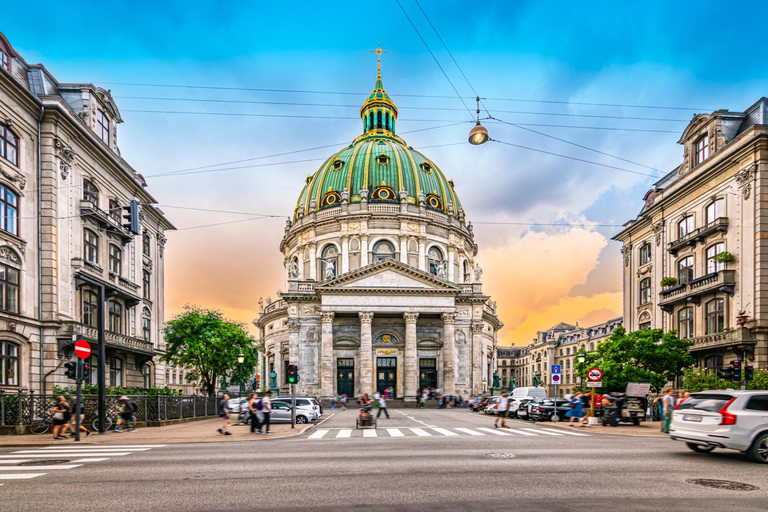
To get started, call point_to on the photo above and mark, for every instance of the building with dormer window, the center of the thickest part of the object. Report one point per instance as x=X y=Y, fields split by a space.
x=694 y=257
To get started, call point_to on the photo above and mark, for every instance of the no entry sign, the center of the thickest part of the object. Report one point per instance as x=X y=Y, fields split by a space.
x=594 y=375
x=82 y=349
x=555 y=378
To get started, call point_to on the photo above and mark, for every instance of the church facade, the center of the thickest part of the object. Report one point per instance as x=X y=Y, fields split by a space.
x=382 y=286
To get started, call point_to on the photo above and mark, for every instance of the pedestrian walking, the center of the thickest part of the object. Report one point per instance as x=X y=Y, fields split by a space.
x=502 y=405
x=333 y=402
x=125 y=416
x=382 y=407
x=343 y=402
x=266 y=409
x=224 y=414
x=576 y=411
x=61 y=416
x=83 y=428
x=424 y=397
x=254 y=406
x=668 y=405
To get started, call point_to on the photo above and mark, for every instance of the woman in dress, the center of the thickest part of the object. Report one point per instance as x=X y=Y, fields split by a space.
x=577 y=410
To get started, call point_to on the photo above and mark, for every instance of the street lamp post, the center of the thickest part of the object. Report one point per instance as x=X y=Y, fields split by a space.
x=240 y=359
x=479 y=134
x=582 y=358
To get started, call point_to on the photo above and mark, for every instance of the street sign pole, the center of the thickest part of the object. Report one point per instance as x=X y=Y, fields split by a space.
x=293 y=405
x=78 y=397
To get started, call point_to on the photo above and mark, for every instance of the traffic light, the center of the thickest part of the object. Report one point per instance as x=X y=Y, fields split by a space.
x=86 y=371
x=71 y=370
x=132 y=217
x=749 y=373
x=293 y=374
x=736 y=367
x=725 y=373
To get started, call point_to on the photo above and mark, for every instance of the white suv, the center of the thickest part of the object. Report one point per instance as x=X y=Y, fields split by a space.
x=736 y=420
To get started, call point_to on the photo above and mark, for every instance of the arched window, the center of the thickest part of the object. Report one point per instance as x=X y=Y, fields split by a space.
x=715 y=316
x=116 y=323
x=685 y=270
x=116 y=372
x=645 y=254
x=435 y=262
x=9 y=289
x=146 y=324
x=90 y=192
x=685 y=323
x=115 y=259
x=9 y=209
x=645 y=291
x=90 y=306
x=383 y=250
x=90 y=246
x=715 y=210
x=9 y=145
x=329 y=262
x=685 y=226
x=466 y=271
x=114 y=210
x=9 y=363
x=712 y=265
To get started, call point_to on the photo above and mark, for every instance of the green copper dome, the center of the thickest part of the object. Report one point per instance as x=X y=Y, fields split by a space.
x=378 y=167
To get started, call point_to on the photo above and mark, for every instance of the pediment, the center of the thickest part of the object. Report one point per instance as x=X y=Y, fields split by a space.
x=389 y=276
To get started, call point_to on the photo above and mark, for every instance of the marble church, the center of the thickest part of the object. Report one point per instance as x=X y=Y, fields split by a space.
x=382 y=285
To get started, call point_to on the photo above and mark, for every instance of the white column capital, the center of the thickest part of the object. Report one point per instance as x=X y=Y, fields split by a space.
x=365 y=317
x=410 y=318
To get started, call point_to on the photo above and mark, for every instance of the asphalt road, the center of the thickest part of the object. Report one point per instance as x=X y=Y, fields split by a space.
x=409 y=471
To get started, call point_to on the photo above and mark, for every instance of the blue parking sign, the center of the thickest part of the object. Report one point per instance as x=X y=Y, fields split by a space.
x=555 y=369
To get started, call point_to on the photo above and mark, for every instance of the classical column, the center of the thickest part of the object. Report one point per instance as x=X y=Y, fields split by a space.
x=411 y=382
x=449 y=354
x=326 y=354
x=312 y=261
x=477 y=358
x=451 y=259
x=363 y=250
x=422 y=254
x=293 y=343
x=344 y=254
x=366 y=353
x=403 y=248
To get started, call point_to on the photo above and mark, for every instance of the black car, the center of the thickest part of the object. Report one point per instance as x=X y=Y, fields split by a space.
x=542 y=409
x=523 y=410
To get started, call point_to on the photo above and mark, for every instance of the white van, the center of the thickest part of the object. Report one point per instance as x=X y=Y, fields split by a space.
x=529 y=392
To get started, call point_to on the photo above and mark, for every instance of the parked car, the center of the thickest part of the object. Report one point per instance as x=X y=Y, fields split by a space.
x=731 y=419
x=235 y=405
x=302 y=403
x=281 y=413
x=543 y=409
x=522 y=409
x=514 y=405
x=490 y=409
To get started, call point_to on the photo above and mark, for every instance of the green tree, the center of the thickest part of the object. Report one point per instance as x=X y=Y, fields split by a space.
x=207 y=345
x=647 y=355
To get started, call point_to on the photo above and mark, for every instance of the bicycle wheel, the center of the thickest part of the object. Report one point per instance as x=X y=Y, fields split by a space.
x=107 y=424
x=40 y=426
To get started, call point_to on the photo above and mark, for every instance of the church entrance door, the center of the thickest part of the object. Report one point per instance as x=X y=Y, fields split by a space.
x=386 y=373
x=345 y=376
x=427 y=373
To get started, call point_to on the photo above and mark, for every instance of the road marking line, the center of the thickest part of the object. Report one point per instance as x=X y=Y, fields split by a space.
x=369 y=433
x=91 y=446
x=421 y=433
x=64 y=454
x=444 y=431
x=542 y=431
x=566 y=432
x=319 y=434
x=82 y=452
x=344 y=433
x=496 y=431
x=395 y=432
x=40 y=468
x=469 y=431
x=91 y=449
x=21 y=476
x=13 y=461
x=414 y=419
x=90 y=460
x=520 y=432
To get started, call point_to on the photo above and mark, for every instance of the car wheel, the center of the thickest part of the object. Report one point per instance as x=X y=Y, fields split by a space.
x=636 y=423
x=700 y=448
x=759 y=449
x=301 y=419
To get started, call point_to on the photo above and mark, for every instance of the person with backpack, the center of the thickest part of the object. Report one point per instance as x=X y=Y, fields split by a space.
x=125 y=417
x=255 y=405
x=224 y=414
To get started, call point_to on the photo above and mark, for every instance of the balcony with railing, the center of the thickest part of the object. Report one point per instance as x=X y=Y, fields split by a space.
x=723 y=281
x=719 y=225
x=111 y=339
x=720 y=340
x=105 y=221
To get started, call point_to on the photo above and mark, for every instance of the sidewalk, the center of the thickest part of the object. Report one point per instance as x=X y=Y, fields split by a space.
x=646 y=428
x=203 y=431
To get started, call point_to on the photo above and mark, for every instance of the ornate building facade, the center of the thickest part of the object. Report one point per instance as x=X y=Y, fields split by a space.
x=695 y=257
x=63 y=184
x=382 y=284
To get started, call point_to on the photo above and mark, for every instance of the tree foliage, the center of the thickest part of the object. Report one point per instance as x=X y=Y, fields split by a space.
x=207 y=345
x=647 y=355
x=695 y=380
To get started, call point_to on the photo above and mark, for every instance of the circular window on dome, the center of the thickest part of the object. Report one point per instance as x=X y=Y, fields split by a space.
x=384 y=193
x=331 y=198
x=434 y=201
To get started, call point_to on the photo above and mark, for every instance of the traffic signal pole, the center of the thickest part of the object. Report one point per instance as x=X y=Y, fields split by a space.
x=78 y=397
x=101 y=380
x=293 y=405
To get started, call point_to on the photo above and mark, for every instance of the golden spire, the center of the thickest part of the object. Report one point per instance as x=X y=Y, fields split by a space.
x=378 y=51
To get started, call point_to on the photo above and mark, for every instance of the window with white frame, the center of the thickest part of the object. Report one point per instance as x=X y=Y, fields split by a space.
x=685 y=270
x=102 y=125
x=685 y=226
x=712 y=265
x=645 y=291
x=685 y=323
x=702 y=150
x=90 y=246
x=645 y=254
x=715 y=210
x=115 y=259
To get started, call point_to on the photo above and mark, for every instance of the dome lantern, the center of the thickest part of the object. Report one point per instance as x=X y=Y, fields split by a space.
x=379 y=112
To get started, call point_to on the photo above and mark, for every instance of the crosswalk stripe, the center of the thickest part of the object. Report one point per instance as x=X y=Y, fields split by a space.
x=344 y=433
x=85 y=450
x=369 y=433
x=495 y=431
x=13 y=461
x=39 y=468
x=91 y=460
x=21 y=476
x=395 y=432
x=421 y=433
x=516 y=431
x=64 y=454
x=444 y=431
x=566 y=432
x=90 y=446
x=469 y=431
x=542 y=431
x=319 y=434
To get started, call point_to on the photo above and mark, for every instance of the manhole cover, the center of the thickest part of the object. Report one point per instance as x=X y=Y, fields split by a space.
x=499 y=455
x=723 y=484
x=43 y=462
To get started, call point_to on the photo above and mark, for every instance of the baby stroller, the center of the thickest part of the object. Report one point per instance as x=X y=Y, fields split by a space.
x=365 y=419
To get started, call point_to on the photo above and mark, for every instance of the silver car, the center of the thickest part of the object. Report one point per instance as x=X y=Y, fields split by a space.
x=281 y=413
x=303 y=403
x=731 y=419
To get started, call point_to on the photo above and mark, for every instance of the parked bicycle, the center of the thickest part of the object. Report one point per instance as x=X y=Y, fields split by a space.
x=109 y=421
x=42 y=424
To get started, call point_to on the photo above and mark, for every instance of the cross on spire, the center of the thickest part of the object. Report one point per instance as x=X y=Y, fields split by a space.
x=378 y=51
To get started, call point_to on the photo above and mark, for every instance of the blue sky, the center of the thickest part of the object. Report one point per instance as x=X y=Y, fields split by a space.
x=694 y=56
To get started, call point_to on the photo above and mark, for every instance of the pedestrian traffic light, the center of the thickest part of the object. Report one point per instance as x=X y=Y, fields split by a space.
x=132 y=217
x=725 y=373
x=293 y=374
x=86 y=370
x=749 y=373
x=71 y=370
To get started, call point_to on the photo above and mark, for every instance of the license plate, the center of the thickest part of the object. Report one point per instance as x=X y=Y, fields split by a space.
x=688 y=417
